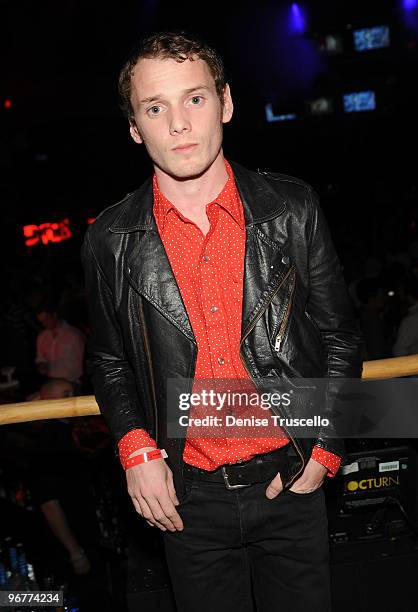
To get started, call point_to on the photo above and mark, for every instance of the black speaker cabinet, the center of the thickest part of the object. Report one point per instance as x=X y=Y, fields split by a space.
x=373 y=495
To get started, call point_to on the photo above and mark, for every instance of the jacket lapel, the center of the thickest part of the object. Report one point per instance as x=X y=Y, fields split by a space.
x=265 y=264
x=148 y=268
x=150 y=273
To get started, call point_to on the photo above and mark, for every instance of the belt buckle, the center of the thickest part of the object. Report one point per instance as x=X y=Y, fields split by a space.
x=227 y=483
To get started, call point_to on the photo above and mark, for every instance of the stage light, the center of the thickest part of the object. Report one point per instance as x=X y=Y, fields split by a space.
x=297 y=20
x=409 y=10
x=7 y=104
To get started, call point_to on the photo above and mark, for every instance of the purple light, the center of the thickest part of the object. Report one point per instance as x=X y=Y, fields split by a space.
x=297 y=21
x=410 y=13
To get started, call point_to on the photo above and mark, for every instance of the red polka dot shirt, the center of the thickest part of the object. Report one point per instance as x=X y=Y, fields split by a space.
x=209 y=271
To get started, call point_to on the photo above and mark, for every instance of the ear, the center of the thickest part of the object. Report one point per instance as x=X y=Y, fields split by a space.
x=133 y=130
x=228 y=108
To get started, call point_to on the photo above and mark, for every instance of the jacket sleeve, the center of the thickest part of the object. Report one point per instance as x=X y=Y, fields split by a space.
x=112 y=376
x=330 y=307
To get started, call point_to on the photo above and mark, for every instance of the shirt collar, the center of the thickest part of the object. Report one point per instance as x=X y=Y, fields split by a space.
x=228 y=199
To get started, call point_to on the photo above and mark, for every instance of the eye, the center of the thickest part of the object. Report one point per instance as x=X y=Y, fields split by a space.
x=154 y=110
x=196 y=100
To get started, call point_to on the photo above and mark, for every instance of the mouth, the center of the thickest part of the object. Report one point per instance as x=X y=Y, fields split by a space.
x=186 y=148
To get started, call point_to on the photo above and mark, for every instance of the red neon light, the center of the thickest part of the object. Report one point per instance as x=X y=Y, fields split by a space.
x=91 y=220
x=47 y=232
x=8 y=104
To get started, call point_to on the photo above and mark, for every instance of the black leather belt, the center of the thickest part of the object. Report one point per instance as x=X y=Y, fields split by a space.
x=242 y=474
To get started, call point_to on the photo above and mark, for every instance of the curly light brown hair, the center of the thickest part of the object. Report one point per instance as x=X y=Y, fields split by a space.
x=179 y=46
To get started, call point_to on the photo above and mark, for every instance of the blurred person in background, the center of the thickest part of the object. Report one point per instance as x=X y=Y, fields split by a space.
x=373 y=299
x=59 y=347
x=48 y=484
x=407 y=337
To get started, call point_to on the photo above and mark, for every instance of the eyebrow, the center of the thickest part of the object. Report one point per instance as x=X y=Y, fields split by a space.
x=158 y=96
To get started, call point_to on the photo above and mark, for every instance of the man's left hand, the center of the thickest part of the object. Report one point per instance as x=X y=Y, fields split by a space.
x=311 y=479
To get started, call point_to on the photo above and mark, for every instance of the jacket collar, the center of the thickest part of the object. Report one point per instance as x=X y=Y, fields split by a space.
x=259 y=200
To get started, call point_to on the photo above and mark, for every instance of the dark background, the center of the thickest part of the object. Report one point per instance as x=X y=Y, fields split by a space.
x=66 y=153
x=65 y=149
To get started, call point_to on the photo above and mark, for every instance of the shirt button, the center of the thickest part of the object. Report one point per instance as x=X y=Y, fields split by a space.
x=213 y=308
x=205 y=257
x=285 y=259
x=221 y=360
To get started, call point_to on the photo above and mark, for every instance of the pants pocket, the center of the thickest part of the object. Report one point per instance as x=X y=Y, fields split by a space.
x=311 y=494
x=190 y=485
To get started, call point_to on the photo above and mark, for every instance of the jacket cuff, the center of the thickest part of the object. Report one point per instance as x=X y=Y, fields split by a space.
x=327 y=459
x=132 y=441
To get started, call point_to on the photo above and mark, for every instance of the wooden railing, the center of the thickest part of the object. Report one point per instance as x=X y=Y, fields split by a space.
x=86 y=405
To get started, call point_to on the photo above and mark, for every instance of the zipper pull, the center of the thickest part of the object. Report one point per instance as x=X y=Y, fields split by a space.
x=278 y=342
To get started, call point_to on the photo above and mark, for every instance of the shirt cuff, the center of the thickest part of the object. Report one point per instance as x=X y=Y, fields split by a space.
x=132 y=441
x=327 y=459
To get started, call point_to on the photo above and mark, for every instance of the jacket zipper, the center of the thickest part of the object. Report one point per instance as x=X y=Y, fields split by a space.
x=148 y=352
x=281 y=333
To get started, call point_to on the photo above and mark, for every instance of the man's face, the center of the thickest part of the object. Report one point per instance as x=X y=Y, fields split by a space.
x=49 y=320
x=178 y=115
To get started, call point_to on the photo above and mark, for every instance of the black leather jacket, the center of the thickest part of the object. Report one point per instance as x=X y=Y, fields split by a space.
x=296 y=321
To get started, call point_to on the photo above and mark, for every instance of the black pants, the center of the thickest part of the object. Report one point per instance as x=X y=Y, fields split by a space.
x=238 y=546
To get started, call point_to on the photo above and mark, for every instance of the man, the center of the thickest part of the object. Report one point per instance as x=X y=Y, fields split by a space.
x=59 y=347
x=210 y=271
x=53 y=474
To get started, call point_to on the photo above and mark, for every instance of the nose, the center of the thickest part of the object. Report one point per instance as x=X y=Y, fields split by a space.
x=179 y=121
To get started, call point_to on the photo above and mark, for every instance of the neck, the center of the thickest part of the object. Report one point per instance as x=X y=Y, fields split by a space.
x=192 y=195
